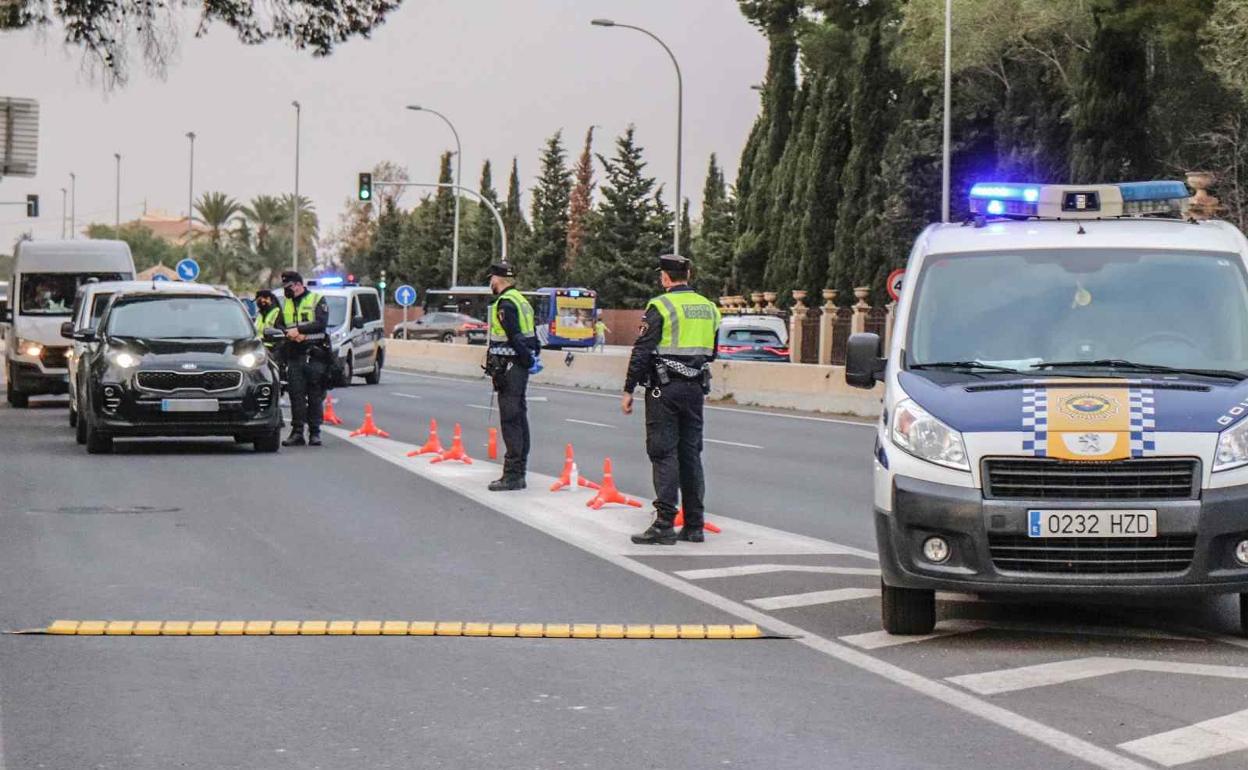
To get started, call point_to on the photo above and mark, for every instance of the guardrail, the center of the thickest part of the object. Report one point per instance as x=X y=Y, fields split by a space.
x=808 y=387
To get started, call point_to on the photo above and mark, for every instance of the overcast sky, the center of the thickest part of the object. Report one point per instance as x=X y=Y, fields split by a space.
x=507 y=72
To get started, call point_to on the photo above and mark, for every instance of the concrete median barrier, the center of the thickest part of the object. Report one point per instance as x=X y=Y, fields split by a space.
x=748 y=383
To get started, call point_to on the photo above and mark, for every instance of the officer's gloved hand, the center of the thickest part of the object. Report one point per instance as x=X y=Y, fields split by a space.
x=537 y=365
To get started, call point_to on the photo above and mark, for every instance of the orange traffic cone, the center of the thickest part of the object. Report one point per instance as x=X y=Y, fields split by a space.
x=491 y=447
x=708 y=526
x=369 y=428
x=607 y=493
x=456 y=452
x=330 y=417
x=433 y=446
x=565 y=478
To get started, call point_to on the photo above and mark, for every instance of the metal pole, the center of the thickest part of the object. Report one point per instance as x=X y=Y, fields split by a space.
x=944 y=172
x=64 y=210
x=117 y=201
x=680 y=120
x=294 y=245
x=459 y=163
x=73 y=206
x=498 y=218
x=190 y=196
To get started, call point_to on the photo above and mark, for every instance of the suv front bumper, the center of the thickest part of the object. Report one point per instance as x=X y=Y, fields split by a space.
x=922 y=509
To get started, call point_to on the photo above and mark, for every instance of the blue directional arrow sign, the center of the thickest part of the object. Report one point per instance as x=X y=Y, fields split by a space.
x=188 y=269
x=405 y=295
x=160 y=277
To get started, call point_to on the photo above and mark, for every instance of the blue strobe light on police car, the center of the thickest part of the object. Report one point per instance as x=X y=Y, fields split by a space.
x=329 y=280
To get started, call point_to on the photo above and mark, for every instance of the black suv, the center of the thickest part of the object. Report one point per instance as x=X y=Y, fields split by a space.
x=176 y=364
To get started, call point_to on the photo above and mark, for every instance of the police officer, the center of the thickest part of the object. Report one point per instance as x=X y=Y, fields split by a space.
x=304 y=317
x=513 y=352
x=671 y=359
x=267 y=310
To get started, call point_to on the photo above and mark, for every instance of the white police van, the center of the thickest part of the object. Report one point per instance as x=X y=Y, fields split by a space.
x=1064 y=398
x=356 y=328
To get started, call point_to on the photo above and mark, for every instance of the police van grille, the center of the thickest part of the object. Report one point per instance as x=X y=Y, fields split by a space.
x=1039 y=479
x=169 y=381
x=1091 y=556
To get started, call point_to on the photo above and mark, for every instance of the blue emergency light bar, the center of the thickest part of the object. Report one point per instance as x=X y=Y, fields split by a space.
x=1101 y=201
x=330 y=280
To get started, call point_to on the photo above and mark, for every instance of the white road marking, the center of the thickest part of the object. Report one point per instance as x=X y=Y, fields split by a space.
x=761 y=569
x=588 y=422
x=536 y=398
x=731 y=443
x=478 y=406
x=791 y=601
x=405 y=395
x=1203 y=740
x=463 y=480
x=876 y=640
x=1063 y=671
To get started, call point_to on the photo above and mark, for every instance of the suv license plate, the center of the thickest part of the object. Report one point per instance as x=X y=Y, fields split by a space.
x=189 y=405
x=1094 y=523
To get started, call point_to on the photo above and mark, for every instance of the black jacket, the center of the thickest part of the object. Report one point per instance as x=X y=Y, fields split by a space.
x=641 y=362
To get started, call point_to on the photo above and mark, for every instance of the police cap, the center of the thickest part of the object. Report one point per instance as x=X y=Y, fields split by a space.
x=673 y=264
x=502 y=270
x=291 y=276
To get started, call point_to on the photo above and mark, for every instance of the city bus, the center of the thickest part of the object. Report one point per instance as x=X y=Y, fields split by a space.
x=564 y=316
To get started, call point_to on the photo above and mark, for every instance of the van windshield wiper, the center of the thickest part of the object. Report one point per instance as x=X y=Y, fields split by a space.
x=1135 y=366
x=966 y=366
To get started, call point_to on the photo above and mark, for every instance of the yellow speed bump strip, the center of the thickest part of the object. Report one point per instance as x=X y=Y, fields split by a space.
x=395 y=628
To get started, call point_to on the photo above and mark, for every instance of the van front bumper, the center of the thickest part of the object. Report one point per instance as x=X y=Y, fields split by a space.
x=33 y=379
x=973 y=525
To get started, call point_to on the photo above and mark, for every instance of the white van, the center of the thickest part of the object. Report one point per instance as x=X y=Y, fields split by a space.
x=1065 y=402
x=356 y=330
x=46 y=277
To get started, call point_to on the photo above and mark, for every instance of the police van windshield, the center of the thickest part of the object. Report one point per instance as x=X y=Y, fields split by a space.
x=1025 y=310
x=337 y=311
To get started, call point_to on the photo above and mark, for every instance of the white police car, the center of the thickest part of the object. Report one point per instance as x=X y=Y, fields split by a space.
x=1063 y=403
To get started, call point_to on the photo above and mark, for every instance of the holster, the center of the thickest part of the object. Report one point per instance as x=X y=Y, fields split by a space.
x=661 y=375
x=706 y=380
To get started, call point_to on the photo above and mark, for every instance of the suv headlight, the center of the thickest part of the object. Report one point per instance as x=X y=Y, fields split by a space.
x=1232 y=447
x=29 y=348
x=927 y=438
x=125 y=360
x=249 y=360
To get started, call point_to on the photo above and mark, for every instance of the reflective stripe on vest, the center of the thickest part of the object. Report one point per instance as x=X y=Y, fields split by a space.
x=523 y=309
x=689 y=323
x=305 y=310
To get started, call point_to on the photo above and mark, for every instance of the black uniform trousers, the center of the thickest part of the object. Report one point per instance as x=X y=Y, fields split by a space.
x=305 y=384
x=511 y=385
x=674 y=444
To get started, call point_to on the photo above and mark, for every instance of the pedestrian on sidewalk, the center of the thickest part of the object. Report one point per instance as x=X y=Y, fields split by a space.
x=600 y=335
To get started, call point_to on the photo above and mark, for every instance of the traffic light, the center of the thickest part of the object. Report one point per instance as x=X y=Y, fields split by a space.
x=32 y=205
x=366 y=186
x=381 y=285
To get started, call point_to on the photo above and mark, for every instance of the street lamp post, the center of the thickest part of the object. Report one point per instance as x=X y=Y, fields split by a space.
x=190 y=195
x=459 y=163
x=680 y=119
x=73 y=205
x=117 y=200
x=64 y=210
x=294 y=245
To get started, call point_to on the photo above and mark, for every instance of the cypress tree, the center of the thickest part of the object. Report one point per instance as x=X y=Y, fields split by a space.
x=580 y=204
x=548 y=244
x=481 y=245
x=619 y=260
x=712 y=248
x=513 y=217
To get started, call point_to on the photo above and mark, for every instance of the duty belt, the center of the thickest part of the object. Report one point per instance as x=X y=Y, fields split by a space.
x=501 y=350
x=688 y=372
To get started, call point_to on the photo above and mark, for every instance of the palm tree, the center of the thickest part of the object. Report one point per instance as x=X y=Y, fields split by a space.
x=216 y=210
x=309 y=225
x=267 y=215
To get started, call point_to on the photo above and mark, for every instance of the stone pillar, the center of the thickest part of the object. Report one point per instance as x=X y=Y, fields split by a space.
x=796 y=321
x=1202 y=205
x=827 y=326
x=858 y=324
x=889 y=320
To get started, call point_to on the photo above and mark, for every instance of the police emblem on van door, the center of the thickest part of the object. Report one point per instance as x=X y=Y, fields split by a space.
x=1089 y=406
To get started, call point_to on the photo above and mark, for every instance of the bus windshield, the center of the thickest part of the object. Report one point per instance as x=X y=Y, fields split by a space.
x=1045 y=311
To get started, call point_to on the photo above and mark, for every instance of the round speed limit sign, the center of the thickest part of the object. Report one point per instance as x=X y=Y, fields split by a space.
x=894 y=283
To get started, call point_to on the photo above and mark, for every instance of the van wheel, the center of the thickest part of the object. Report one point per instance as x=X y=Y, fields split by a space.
x=374 y=375
x=16 y=400
x=98 y=442
x=448 y=337
x=907 y=611
x=348 y=373
x=269 y=442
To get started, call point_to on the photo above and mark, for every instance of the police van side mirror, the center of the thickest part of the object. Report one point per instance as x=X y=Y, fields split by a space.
x=357 y=322
x=67 y=330
x=863 y=365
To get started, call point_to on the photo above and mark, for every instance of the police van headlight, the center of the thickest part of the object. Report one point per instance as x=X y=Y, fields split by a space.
x=927 y=438
x=1232 y=447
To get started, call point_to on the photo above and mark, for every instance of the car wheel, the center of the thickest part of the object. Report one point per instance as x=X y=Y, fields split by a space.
x=242 y=440
x=374 y=375
x=16 y=400
x=448 y=336
x=98 y=442
x=73 y=414
x=269 y=442
x=907 y=611
x=80 y=430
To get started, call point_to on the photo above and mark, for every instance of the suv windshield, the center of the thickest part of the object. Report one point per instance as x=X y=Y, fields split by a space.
x=1021 y=310
x=53 y=293
x=175 y=317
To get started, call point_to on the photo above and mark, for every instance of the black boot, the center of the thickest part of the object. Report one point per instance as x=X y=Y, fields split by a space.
x=295 y=438
x=691 y=535
x=314 y=438
x=659 y=532
x=508 y=483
